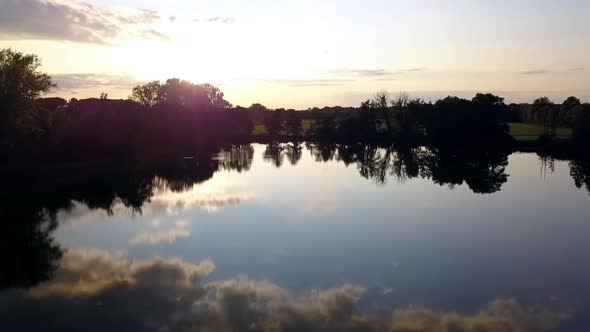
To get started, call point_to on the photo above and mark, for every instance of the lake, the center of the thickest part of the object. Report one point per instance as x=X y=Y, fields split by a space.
x=294 y=237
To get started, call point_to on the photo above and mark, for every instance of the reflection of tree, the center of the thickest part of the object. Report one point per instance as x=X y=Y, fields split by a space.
x=274 y=154
x=182 y=177
x=294 y=152
x=236 y=157
x=322 y=152
x=484 y=172
x=28 y=253
x=580 y=172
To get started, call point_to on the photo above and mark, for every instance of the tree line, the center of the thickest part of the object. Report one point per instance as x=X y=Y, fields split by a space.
x=179 y=117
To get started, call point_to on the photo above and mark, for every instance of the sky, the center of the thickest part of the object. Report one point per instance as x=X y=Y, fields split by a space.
x=305 y=53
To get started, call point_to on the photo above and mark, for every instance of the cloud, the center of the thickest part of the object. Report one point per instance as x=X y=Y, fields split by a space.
x=154 y=34
x=360 y=72
x=376 y=74
x=216 y=19
x=101 y=291
x=307 y=82
x=412 y=70
x=387 y=79
x=92 y=81
x=73 y=21
x=534 y=72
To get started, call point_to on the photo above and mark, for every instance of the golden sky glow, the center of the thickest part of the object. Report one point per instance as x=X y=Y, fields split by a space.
x=309 y=53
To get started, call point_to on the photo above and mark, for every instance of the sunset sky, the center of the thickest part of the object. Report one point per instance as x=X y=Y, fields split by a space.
x=309 y=53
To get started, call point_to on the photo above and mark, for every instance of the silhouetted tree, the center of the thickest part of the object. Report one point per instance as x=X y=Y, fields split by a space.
x=546 y=115
x=148 y=95
x=21 y=84
x=582 y=125
x=381 y=104
x=401 y=115
x=274 y=123
x=324 y=128
x=566 y=112
x=257 y=107
x=294 y=124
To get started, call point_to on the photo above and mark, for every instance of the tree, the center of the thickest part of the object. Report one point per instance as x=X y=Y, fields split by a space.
x=274 y=123
x=487 y=100
x=104 y=96
x=257 y=107
x=216 y=97
x=176 y=93
x=294 y=124
x=381 y=103
x=21 y=84
x=566 y=111
x=400 y=105
x=570 y=103
x=545 y=114
x=148 y=95
x=582 y=125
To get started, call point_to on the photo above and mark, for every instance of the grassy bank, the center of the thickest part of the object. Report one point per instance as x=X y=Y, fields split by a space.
x=531 y=132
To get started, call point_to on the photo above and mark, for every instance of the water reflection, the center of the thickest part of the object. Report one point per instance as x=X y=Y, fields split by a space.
x=580 y=172
x=96 y=291
x=112 y=289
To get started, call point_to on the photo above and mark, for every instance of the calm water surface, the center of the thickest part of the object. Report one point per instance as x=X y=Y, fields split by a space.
x=323 y=238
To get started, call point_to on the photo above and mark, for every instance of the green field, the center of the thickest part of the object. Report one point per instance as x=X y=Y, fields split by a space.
x=531 y=132
x=520 y=131
x=260 y=129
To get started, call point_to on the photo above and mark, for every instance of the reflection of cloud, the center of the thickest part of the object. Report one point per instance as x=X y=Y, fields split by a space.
x=103 y=292
x=162 y=236
x=321 y=206
x=500 y=315
x=71 y=21
x=171 y=202
x=91 y=272
x=164 y=202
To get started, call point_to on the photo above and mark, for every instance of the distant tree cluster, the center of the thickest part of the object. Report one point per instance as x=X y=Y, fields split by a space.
x=178 y=116
x=181 y=94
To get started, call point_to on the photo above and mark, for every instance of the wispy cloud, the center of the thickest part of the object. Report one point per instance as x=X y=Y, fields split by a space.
x=307 y=82
x=411 y=70
x=360 y=72
x=216 y=19
x=534 y=72
x=73 y=21
x=87 y=81
x=154 y=34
